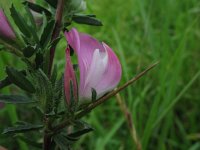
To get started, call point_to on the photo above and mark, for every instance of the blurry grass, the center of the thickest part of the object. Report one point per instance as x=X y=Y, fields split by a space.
x=165 y=103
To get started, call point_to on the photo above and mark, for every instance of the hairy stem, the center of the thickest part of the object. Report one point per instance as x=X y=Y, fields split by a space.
x=56 y=31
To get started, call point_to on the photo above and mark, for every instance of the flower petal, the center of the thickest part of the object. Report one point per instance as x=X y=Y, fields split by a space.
x=5 y=29
x=112 y=74
x=84 y=46
x=99 y=66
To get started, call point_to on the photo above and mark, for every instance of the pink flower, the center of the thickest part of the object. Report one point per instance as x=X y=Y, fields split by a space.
x=99 y=67
x=70 y=84
x=5 y=29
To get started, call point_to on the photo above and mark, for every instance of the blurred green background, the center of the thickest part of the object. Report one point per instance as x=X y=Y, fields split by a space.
x=165 y=103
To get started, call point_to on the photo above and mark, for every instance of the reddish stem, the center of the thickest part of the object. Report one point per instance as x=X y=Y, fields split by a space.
x=56 y=31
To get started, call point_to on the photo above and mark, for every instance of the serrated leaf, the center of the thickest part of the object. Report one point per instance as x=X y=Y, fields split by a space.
x=53 y=3
x=29 y=51
x=86 y=20
x=20 y=22
x=37 y=8
x=19 y=79
x=15 y=99
x=62 y=142
x=46 y=35
x=44 y=91
x=94 y=94
x=22 y=129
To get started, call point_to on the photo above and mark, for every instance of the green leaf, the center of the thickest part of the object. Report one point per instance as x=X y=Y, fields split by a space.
x=15 y=99
x=31 y=17
x=19 y=79
x=81 y=19
x=37 y=8
x=62 y=141
x=94 y=94
x=79 y=133
x=53 y=3
x=33 y=27
x=29 y=51
x=47 y=33
x=22 y=128
x=5 y=82
x=20 y=22
x=44 y=91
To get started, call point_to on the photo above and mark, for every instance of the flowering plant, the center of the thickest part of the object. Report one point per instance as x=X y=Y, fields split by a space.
x=60 y=101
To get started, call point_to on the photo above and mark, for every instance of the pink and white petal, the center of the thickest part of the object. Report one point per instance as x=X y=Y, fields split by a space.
x=96 y=70
x=112 y=74
x=84 y=46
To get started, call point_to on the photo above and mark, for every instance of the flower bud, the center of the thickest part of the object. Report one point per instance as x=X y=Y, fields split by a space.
x=6 y=32
x=70 y=83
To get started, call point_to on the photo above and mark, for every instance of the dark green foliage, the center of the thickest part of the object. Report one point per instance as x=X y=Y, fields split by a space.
x=44 y=91
x=19 y=79
x=39 y=59
x=85 y=19
x=37 y=8
x=76 y=135
x=16 y=99
x=20 y=22
x=5 y=82
x=24 y=127
x=29 y=51
x=46 y=35
x=53 y=3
